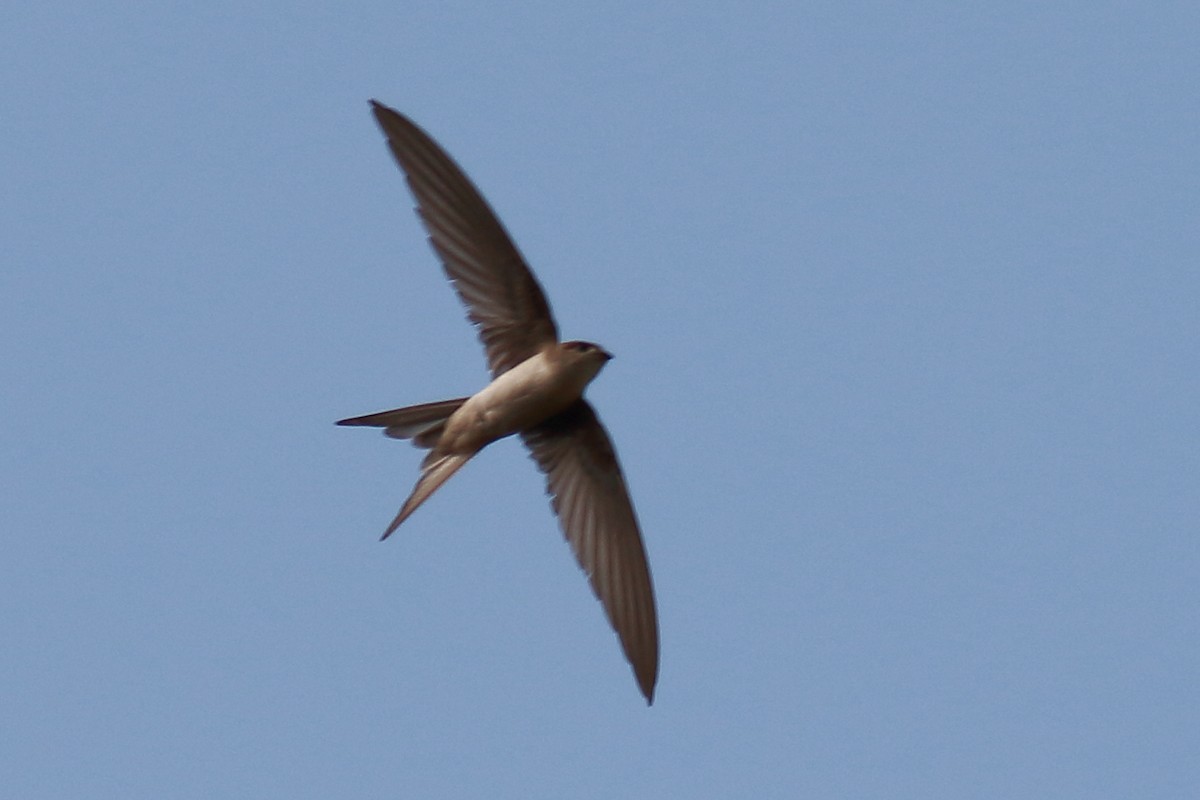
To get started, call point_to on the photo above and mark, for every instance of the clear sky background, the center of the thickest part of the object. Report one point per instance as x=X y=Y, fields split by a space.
x=905 y=302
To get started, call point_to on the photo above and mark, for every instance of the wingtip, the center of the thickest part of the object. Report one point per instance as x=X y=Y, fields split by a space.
x=380 y=110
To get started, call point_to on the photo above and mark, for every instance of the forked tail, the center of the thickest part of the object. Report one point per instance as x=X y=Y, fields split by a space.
x=435 y=470
x=423 y=424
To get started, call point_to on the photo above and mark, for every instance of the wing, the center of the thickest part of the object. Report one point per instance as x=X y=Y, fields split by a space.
x=588 y=493
x=502 y=297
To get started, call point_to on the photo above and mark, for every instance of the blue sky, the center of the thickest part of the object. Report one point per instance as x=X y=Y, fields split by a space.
x=904 y=302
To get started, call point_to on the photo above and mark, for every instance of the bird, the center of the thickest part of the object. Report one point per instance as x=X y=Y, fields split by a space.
x=536 y=393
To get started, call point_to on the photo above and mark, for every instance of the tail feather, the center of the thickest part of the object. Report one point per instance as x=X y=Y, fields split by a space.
x=423 y=423
x=426 y=437
x=435 y=470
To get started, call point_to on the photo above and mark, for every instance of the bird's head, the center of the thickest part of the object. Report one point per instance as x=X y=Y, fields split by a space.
x=586 y=357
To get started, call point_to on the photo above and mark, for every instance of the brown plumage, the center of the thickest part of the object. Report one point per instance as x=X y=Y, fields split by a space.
x=536 y=391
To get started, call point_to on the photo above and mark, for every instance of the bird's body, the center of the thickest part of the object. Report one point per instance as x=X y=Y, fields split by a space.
x=528 y=394
x=536 y=391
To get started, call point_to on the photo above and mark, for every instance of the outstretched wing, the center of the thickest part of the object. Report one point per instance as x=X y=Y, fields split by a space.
x=502 y=297
x=588 y=493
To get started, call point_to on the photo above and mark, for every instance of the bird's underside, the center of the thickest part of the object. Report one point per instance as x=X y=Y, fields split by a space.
x=536 y=393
